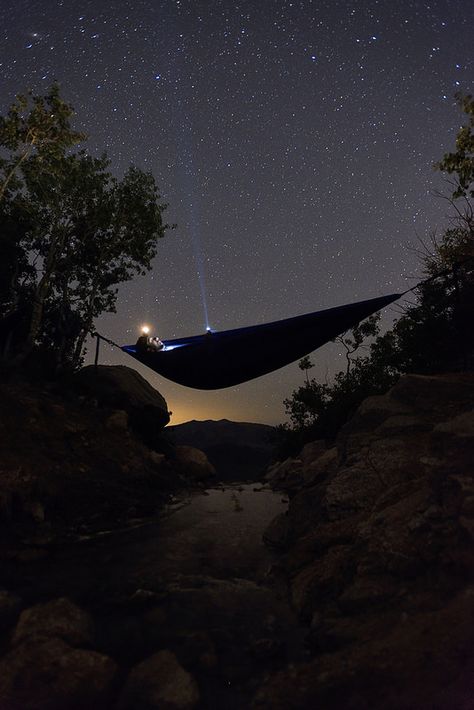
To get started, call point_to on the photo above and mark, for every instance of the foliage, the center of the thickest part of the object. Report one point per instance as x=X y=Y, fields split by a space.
x=318 y=410
x=71 y=231
x=353 y=341
x=434 y=334
x=305 y=365
x=461 y=162
x=39 y=126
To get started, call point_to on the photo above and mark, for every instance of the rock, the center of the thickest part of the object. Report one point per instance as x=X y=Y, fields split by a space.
x=193 y=463
x=159 y=682
x=223 y=625
x=432 y=396
x=319 y=468
x=239 y=451
x=312 y=451
x=380 y=556
x=157 y=459
x=36 y=510
x=323 y=577
x=10 y=606
x=276 y=534
x=122 y=388
x=461 y=426
x=402 y=423
x=31 y=554
x=366 y=592
x=155 y=626
x=373 y=412
x=74 y=471
x=452 y=441
x=197 y=650
x=305 y=550
x=305 y=510
x=144 y=596
x=286 y=476
x=47 y=674
x=421 y=661
x=350 y=491
x=117 y=420
x=415 y=403
x=59 y=618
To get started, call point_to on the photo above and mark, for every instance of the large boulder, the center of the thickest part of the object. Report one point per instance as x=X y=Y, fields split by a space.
x=58 y=618
x=286 y=475
x=402 y=662
x=48 y=674
x=314 y=463
x=69 y=466
x=160 y=682
x=380 y=555
x=45 y=669
x=193 y=464
x=240 y=451
x=121 y=388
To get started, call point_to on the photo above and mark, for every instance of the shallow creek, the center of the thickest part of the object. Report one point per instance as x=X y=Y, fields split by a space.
x=194 y=581
x=219 y=533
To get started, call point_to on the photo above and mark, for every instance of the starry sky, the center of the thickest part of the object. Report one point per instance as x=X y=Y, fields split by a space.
x=294 y=142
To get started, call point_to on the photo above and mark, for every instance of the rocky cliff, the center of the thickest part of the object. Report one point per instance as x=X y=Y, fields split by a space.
x=377 y=550
x=376 y=554
x=85 y=455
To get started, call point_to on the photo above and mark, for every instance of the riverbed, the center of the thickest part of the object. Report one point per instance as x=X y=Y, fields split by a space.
x=220 y=532
x=194 y=581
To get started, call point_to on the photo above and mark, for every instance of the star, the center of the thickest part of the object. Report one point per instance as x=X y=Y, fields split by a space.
x=293 y=186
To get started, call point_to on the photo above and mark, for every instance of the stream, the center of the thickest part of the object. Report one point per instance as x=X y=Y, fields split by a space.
x=220 y=533
x=194 y=581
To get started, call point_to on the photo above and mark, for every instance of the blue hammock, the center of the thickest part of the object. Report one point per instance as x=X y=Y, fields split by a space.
x=229 y=357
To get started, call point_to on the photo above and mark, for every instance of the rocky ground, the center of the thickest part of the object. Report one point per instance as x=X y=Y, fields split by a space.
x=86 y=454
x=97 y=609
x=374 y=555
x=378 y=555
x=168 y=616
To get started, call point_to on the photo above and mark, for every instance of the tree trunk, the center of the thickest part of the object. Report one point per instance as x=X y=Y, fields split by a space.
x=87 y=326
x=23 y=157
x=37 y=312
x=42 y=289
x=80 y=344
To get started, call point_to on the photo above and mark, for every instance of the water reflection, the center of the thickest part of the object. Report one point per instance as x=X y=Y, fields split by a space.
x=219 y=532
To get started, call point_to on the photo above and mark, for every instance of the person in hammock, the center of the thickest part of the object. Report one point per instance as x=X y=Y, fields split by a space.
x=148 y=343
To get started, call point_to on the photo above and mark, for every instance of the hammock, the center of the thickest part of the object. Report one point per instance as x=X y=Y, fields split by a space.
x=222 y=359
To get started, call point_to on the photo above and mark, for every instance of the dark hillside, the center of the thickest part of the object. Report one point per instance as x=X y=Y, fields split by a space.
x=238 y=450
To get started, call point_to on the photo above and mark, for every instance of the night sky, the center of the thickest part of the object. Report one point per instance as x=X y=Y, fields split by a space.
x=294 y=143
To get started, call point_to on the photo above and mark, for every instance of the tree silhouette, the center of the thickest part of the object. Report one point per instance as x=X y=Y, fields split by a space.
x=305 y=364
x=461 y=161
x=74 y=231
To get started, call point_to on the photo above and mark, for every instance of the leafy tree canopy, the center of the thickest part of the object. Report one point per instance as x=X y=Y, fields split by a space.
x=71 y=231
x=35 y=126
x=461 y=161
x=434 y=334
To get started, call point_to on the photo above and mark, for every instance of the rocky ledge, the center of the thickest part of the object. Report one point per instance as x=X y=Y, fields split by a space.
x=86 y=454
x=377 y=550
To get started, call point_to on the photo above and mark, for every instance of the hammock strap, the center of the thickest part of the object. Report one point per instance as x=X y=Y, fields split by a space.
x=98 y=338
